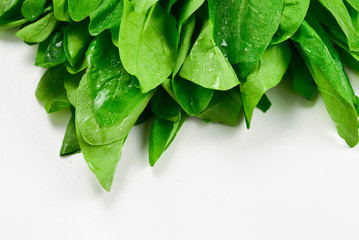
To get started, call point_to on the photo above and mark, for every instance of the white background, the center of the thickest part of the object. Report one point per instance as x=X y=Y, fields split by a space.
x=289 y=177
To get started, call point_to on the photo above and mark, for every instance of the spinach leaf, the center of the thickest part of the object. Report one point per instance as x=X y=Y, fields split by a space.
x=38 y=31
x=76 y=41
x=79 y=66
x=354 y=4
x=349 y=57
x=266 y=75
x=32 y=9
x=192 y=97
x=90 y=130
x=341 y=15
x=102 y=160
x=51 y=90
x=148 y=44
x=61 y=10
x=10 y=10
x=114 y=95
x=71 y=84
x=186 y=44
x=167 y=85
x=332 y=82
x=293 y=15
x=163 y=106
x=145 y=116
x=206 y=65
x=80 y=9
x=142 y=6
x=51 y=52
x=163 y=132
x=189 y=7
x=170 y=4
x=70 y=143
x=301 y=76
x=107 y=16
x=223 y=108
x=244 y=28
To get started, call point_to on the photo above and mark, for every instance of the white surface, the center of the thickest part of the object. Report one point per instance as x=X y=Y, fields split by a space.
x=289 y=177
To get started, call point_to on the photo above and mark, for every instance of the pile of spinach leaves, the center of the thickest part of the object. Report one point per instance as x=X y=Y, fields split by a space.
x=119 y=63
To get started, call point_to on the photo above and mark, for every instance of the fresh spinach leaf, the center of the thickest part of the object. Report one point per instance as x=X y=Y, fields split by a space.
x=81 y=9
x=332 y=82
x=32 y=9
x=38 y=31
x=188 y=8
x=107 y=16
x=293 y=15
x=301 y=77
x=266 y=75
x=163 y=132
x=192 y=97
x=71 y=84
x=206 y=65
x=223 y=108
x=142 y=6
x=103 y=159
x=114 y=95
x=243 y=29
x=90 y=130
x=51 y=90
x=148 y=44
x=70 y=144
x=76 y=41
x=51 y=52
x=61 y=10
x=185 y=44
x=10 y=11
x=163 y=106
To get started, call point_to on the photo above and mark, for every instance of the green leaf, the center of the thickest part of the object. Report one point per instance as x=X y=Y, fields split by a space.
x=70 y=143
x=186 y=44
x=80 y=9
x=244 y=28
x=90 y=131
x=61 y=10
x=76 y=41
x=266 y=75
x=332 y=82
x=71 y=83
x=51 y=52
x=79 y=66
x=38 y=31
x=341 y=15
x=163 y=106
x=188 y=8
x=163 y=132
x=148 y=44
x=206 y=65
x=223 y=108
x=302 y=79
x=32 y=9
x=354 y=4
x=293 y=15
x=114 y=95
x=107 y=16
x=142 y=6
x=10 y=10
x=192 y=97
x=102 y=160
x=51 y=90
